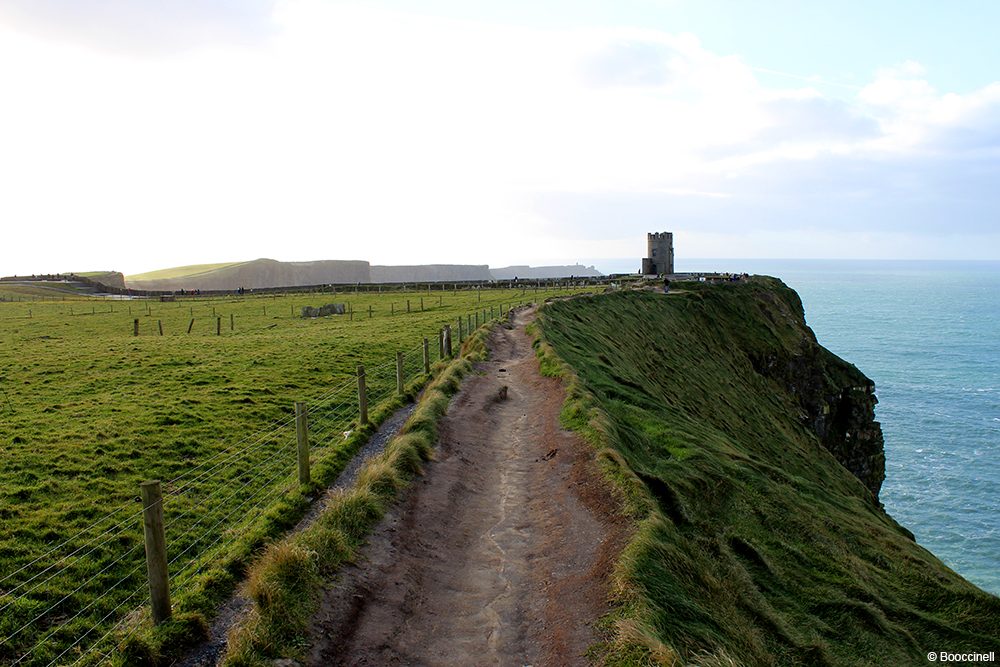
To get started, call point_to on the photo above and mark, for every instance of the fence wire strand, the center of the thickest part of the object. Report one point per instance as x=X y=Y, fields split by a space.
x=221 y=497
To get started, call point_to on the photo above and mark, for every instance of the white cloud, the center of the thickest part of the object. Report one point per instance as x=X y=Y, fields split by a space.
x=142 y=26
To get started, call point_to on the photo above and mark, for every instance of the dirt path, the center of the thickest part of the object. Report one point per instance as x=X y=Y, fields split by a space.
x=500 y=554
x=209 y=651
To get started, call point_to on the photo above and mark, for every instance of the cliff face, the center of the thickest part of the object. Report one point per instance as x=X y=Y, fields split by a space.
x=420 y=273
x=837 y=400
x=525 y=272
x=109 y=278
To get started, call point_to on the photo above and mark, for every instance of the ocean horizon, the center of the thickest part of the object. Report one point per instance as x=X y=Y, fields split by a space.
x=927 y=332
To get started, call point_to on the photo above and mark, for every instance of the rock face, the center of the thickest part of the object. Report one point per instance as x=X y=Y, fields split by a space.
x=545 y=272
x=838 y=401
x=430 y=273
x=266 y=273
x=323 y=311
x=109 y=278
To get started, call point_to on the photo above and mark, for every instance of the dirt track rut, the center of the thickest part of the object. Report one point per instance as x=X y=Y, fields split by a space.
x=500 y=554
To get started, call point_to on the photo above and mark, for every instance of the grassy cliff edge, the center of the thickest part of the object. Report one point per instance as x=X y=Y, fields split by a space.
x=748 y=456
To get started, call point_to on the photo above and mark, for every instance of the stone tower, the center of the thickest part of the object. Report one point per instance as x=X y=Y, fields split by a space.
x=659 y=253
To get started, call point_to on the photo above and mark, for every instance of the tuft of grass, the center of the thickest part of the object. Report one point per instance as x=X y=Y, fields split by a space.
x=286 y=597
x=753 y=544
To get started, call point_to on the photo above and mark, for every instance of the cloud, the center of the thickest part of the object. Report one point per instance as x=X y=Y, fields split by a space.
x=352 y=132
x=142 y=26
x=811 y=117
x=634 y=62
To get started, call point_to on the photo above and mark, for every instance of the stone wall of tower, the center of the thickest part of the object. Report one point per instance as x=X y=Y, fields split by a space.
x=659 y=252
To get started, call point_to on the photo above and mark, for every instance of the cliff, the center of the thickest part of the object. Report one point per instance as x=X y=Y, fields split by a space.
x=750 y=461
x=262 y=273
x=109 y=278
x=428 y=273
x=258 y=273
x=544 y=272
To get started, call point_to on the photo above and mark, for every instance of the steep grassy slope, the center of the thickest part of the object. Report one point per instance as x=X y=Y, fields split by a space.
x=258 y=273
x=722 y=421
x=110 y=278
x=181 y=271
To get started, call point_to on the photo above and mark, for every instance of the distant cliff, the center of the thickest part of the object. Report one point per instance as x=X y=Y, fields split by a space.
x=750 y=461
x=545 y=272
x=258 y=273
x=262 y=273
x=109 y=278
x=419 y=273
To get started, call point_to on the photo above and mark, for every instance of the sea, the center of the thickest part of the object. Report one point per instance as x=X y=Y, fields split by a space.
x=928 y=334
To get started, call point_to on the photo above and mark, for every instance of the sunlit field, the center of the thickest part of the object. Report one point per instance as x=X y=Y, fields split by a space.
x=88 y=410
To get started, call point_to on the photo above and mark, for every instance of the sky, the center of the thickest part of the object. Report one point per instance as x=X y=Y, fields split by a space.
x=139 y=134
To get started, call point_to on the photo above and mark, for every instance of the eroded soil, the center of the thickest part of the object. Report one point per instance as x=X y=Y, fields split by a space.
x=500 y=554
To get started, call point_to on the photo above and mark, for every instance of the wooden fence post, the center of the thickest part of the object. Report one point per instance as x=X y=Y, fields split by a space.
x=362 y=396
x=407 y=305
x=190 y=325
x=369 y=311
x=399 y=373
x=427 y=357
x=302 y=437
x=421 y=304
x=218 y=326
x=468 y=323
x=441 y=344
x=159 y=324
x=447 y=339
x=460 y=331
x=156 y=550
x=135 y=327
x=477 y=319
x=232 y=322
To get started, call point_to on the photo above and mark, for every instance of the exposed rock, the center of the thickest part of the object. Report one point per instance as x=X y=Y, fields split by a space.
x=837 y=399
x=323 y=311
x=430 y=273
x=544 y=272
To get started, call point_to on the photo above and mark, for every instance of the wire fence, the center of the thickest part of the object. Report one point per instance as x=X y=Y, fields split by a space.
x=73 y=603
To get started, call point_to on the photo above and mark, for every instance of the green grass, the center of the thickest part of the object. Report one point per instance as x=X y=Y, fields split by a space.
x=39 y=291
x=285 y=584
x=88 y=411
x=754 y=546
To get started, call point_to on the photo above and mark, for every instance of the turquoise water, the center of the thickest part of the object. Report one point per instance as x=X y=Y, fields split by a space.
x=928 y=334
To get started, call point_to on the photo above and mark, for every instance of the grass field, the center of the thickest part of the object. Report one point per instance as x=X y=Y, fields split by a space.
x=88 y=411
x=754 y=545
x=38 y=292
